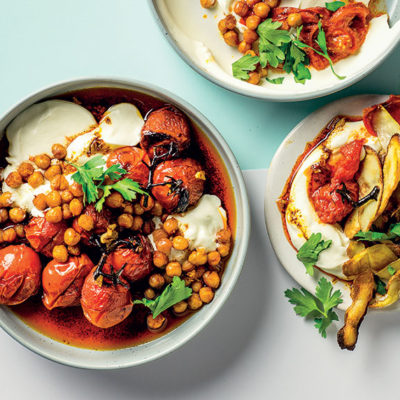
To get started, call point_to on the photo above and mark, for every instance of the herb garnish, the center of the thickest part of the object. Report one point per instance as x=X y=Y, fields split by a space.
x=334 y=5
x=276 y=81
x=244 y=65
x=371 y=236
x=308 y=253
x=319 y=306
x=175 y=292
x=380 y=286
x=91 y=176
x=391 y=270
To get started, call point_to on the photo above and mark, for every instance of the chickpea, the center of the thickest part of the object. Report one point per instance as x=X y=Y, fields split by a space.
x=211 y=279
x=187 y=266
x=180 y=308
x=148 y=227
x=241 y=8
x=9 y=235
x=157 y=209
x=149 y=293
x=170 y=225
x=76 y=207
x=5 y=199
x=54 y=215
x=180 y=243
x=224 y=236
x=252 y=3
x=156 y=281
x=206 y=294
x=76 y=189
x=222 y=26
x=159 y=234
x=264 y=72
x=86 y=222
x=52 y=171
x=67 y=169
x=71 y=237
x=25 y=170
x=251 y=53
x=60 y=253
x=157 y=324
x=194 y=302
x=207 y=3
x=137 y=223
x=74 y=250
x=66 y=212
x=213 y=258
x=254 y=78
x=42 y=161
x=138 y=209
x=17 y=214
x=294 y=20
x=200 y=272
x=66 y=196
x=59 y=182
x=252 y=22
x=53 y=199
x=36 y=179
x=231 y=38
x=191 y=275
x=167 y=278
x=250 y=36
x=173 y=269
x=223 y=249
x=59 y=151
x=19 y=230
x=230 y=22
x=198 y=257
x=271 y=3
x=196 y=286
x=3 y=215
x=125 y=221
x=40 y=202
x=115 y=200
x=164 y=245
x=261 y=9
x=244 y=46
x=147 y=202
x=14 y=180
x=160 y=260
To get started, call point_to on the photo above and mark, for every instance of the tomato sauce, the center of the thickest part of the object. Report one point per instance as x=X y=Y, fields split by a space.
x=68 y=325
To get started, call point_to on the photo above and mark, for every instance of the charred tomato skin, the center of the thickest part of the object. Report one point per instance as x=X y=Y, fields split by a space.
x=164 y=127
x=20 y=270
x=105 y=304
x=133 y=160
x=62 y=282
x=187 y=170
x=138 y=262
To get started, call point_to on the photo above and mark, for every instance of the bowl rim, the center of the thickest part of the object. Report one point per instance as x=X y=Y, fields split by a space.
x=240 y=192
x=266 y=96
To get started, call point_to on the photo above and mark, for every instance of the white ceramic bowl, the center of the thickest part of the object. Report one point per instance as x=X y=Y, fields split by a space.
x=279 y=171
x=191 y=30
x=140 y=354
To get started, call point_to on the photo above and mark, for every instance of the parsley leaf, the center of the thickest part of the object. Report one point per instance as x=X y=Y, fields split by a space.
x=244 y=65
x=334 y=5
x=275 y=81
x=371 y=236
x=175 y=292
x=308 y=253
x=391 y=270
x=380 y=286
x=319 y=306
x=296 y=61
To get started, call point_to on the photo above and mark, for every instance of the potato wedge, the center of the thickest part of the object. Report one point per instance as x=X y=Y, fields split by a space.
x=373 y=259
x=362 y=291
x=361 y=218
x=384 y=272
x=392 y=293
x=391 y=172
x=355 y=247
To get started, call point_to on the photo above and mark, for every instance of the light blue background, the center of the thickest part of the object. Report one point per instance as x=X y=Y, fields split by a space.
x=46 y=41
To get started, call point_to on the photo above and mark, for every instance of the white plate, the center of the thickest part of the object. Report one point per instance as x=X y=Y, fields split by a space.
x=191 y=30
x=279 y=172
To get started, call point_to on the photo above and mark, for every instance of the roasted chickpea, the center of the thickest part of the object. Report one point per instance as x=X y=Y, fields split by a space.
x=271 y=3
x=86 y=222
x=230 y=22
x=125 y=221
x=191 y=275
x=251 y=53
x=213 y=258
x=42 y=161
x=156 y=281
x=252 y=3
x=252 y=22
x=9 y=235
x=66 y=196
x=168 y=279
x=223 y=249
x=59 y=182
x=244 y=46
x=59 y=151
x=115 y=200
x=76 y=189
x=241 y=8
x=211 y=279
x=5 y=199
x=206 y=294
x=60 y=253
x=52 y=171
x=159 y=234
x=76 y=207
x=254 y=78
x=147 y=202
x=128 y=208
x=180 y=308
x=19 y=230
x=25 y=170
x=261 y=9
x=173 y=269
x=74 y=250
x=180 y=243
x=207 y=3
x=200 y=272
x=71 y=237
x=36 y=179
x=164 y=245
x=198 y=257
x=40 y=202
x=54 y=215
x=157 y=209
x=250 y=36
x=53 y=199
x=157 y=324
x=196 y=286
x=222 y=26
x=137 y=223
x=149 y=293
x=17 y=214
x=224 y=236
x=231 y=38
x=3 y=215
x=187 y=266
x=66 y=212
x=160 y=260
x=294 y=20
x=148 y=227
x=194 y=302
x=14 y=180
x=138 y=209
x=171 y=225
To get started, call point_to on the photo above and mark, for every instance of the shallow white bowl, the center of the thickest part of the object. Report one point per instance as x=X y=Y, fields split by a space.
x=279 y=171
x=128 y=357
x=184 y=24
